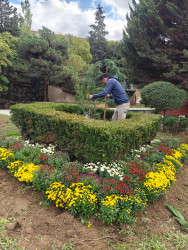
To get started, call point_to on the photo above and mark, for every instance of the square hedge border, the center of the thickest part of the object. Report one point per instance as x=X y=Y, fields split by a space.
x=87 y=140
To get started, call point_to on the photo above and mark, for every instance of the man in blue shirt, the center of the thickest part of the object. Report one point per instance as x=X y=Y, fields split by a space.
x=117 y=93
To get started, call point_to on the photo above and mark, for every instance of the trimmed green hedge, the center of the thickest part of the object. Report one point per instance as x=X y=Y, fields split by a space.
x=88 y=140
x=94 y=112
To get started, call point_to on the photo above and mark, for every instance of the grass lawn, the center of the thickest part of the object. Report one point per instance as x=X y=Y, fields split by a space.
x=7 y=128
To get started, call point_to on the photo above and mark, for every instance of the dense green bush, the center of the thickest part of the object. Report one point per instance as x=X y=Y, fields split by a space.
x=87 y=140
x=163 y=95
x=170 y=121
x=183 y=124
x=175 y=124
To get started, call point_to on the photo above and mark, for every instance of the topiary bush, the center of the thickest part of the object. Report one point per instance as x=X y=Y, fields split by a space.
x=162 y=96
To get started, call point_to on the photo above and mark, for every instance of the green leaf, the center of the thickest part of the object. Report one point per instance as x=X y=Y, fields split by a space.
x=179 y=217
x=182 y=222
x=175 y=212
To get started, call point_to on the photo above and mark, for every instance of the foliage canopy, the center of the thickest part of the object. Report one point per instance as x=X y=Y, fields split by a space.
x=79 y=54
x=9 y=19
x=155 y=42
x=7 y=55
x=46 y=55
x=163 y=95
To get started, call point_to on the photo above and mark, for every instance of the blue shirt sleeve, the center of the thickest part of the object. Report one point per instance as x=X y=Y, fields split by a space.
x=107 y=90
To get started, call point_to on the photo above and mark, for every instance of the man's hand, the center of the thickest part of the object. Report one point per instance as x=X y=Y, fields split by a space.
x=89 y=96
x=107 y=96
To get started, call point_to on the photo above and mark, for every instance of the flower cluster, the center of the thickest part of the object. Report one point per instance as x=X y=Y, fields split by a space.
x=46 y=150
x=112 y=185
x=17 y=145
x=164 y=149
x=23 y=172
x=6 y=156
x=158 y=182
x=105 y=169
x=120 y=209
x=137 y=170
x=13 y=167
x=183 y=148
x=77 y=198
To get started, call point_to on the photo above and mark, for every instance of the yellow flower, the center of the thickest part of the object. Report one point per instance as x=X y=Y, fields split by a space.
x=89 y=224
x=76 y=195
x=14 y=166
x=157 y=180
x=26 y=172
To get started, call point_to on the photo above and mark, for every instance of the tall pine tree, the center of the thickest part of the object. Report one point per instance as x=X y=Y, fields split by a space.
x=26 y=18
x=97 y=38
x=9 y=19
x=155 y=42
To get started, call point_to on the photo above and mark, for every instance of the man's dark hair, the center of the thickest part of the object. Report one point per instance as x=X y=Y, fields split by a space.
x=103 y=75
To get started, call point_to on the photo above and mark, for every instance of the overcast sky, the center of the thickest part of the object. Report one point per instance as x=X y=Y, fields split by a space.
x=75 y=16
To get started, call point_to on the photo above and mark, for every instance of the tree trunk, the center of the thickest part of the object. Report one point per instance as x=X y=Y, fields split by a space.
x=164 y=118
x=45 y=89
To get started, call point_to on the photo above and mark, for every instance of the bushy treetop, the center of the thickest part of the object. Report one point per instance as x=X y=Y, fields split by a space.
x=163 y=95
x=9 y=19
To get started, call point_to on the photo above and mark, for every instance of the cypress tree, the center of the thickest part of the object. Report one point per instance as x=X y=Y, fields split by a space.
x=26 y=17
x=97 y=38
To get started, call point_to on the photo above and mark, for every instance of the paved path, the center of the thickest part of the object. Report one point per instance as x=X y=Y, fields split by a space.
x=5 y=111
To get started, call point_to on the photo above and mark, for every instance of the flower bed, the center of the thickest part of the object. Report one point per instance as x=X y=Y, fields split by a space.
x=114 y=193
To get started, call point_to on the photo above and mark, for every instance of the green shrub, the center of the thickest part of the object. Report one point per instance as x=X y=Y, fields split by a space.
x=88 y=140
x=27 y=154
x=175 y=124
x=170 y=121
x=162 y=96
x=183 y=124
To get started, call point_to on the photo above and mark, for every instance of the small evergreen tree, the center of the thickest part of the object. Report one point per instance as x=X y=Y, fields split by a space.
x=163 y=96
x=97 y=38
x=113 y=70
